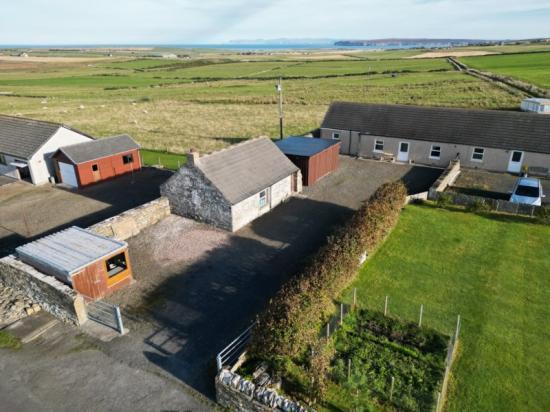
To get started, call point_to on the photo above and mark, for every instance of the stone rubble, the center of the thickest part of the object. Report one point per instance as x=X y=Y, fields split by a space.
x=15 y=305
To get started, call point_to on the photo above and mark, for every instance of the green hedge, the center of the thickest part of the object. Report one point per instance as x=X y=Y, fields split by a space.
x=290 y=324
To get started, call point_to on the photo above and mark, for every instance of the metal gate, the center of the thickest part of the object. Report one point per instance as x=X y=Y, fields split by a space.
x=230 y=355
x=106 y=314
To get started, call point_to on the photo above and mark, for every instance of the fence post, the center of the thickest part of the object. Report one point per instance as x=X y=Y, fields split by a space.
x=119 y=320
x=457 y=331
x=219 y=362
x=179 y=166
x=420 y=317
x=349 y=368
x=391 y=388
x=386 y=306
x=328 y=329
x=354 y=298
x=341 y=313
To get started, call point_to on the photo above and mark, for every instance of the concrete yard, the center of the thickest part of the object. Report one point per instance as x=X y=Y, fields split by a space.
x=28 y=212
x=196 y=289
x=491 y=184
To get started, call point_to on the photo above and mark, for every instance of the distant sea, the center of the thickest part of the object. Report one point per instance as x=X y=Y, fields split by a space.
x=226 y=46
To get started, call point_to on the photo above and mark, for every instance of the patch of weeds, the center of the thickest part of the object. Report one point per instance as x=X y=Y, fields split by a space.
x=83 y=344
x=478 y=206
x=8 y=341
x=444 y=200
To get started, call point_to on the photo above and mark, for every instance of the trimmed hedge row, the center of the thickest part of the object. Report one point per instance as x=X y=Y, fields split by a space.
x=290 y=323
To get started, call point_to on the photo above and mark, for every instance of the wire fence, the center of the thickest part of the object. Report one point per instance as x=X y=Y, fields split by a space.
x=335 y=322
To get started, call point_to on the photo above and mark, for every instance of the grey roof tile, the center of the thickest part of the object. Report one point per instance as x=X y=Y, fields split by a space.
x=21 y=137
x=247 y=168
x=96 y=149
x=497 y=129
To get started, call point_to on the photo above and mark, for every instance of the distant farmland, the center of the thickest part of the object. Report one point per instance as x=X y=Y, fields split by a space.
x=208 y=103
x=530 y=67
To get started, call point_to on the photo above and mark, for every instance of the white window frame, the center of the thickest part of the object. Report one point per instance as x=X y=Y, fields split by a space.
x=376 y=142
x=262 y=200
x=432 y=150
x=474 y=153
x=336 y=136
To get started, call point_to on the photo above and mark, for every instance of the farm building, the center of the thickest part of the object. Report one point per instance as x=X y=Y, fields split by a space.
x=234 y=186
x=90 y=162
x=501 y=141
x=93 y=264
x=27 y=146
x=315 y=157
x=535 y=105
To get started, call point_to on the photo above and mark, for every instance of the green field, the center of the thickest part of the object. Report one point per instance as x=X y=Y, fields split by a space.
x=493 y=271
x=530 y=67
x=172 y=161
x=210 y=102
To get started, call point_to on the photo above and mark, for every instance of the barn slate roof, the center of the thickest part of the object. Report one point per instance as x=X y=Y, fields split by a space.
x=304 y=146
x=65 y=253
x=96 y=149
x=22 y=137
x=497 y=129
x=245 y=169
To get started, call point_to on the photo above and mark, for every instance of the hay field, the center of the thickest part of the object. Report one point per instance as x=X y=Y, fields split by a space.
x=208 y=103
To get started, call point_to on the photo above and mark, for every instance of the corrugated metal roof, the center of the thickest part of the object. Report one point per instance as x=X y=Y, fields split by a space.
x=66 y=252
x=247 y=168
x=22 y=137
x=304 y=146
x=497 y=129
x=96 y=149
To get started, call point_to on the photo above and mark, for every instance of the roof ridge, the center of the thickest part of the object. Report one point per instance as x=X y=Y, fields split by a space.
x=32 y=120
x=233 y=146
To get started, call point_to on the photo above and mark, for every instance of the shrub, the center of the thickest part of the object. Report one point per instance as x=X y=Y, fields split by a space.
x=542 y=215
x=444 y=200
x=477 y=206
x=290 y=323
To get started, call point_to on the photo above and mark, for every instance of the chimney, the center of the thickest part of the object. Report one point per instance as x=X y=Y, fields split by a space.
x=192 y=157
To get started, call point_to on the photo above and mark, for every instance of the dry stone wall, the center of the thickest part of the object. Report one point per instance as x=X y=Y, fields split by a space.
x=133 y=221
x=53 y=296
x=239 y=394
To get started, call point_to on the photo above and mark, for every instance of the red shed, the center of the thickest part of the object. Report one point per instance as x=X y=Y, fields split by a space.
x=92 y=264
x=315 y=157
x=85 y=163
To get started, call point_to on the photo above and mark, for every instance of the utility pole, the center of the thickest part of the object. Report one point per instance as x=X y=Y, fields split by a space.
x=279 y=88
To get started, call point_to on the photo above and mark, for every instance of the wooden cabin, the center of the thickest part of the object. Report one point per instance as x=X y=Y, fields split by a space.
x=92 y=264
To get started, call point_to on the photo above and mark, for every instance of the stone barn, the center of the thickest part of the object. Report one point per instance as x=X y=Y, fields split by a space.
x=233 y=186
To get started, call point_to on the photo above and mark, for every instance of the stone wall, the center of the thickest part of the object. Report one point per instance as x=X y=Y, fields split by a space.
x=192 y=195
x=242 y=395
x=446 y=179
x=53 y=296
x=133 y=221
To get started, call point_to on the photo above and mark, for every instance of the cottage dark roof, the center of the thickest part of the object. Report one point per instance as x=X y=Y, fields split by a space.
x=304 y=146
x=64 y=253
x=96 y=149
x=22 y=137
x=506 y=130
x=247 y=168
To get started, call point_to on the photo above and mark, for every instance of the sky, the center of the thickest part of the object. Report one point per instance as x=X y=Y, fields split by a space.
x=218 y=21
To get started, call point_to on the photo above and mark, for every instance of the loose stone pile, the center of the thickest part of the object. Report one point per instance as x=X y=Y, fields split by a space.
x=15 y=305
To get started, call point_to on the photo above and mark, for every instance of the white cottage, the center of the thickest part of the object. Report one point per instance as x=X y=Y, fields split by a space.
x=234 y=186
x=26 y=147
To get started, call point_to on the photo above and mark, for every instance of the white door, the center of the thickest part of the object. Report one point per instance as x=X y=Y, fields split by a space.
x=516 y=160
x=68 y=175
x=403 y=154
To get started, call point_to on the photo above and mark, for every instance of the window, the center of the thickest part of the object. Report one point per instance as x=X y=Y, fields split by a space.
x=378 y=145
x=2 y=159
x=116 y=264
x=435 y=152
x=527 y=191
x=128 y=158
x=94 y=168
x=263 y=198
x=336 y=136
x=477 y=154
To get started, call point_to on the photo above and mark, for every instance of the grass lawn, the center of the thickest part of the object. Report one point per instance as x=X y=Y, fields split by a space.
x=9 y=341
x=172 y=161
x=492 y=270
x=530 y=67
